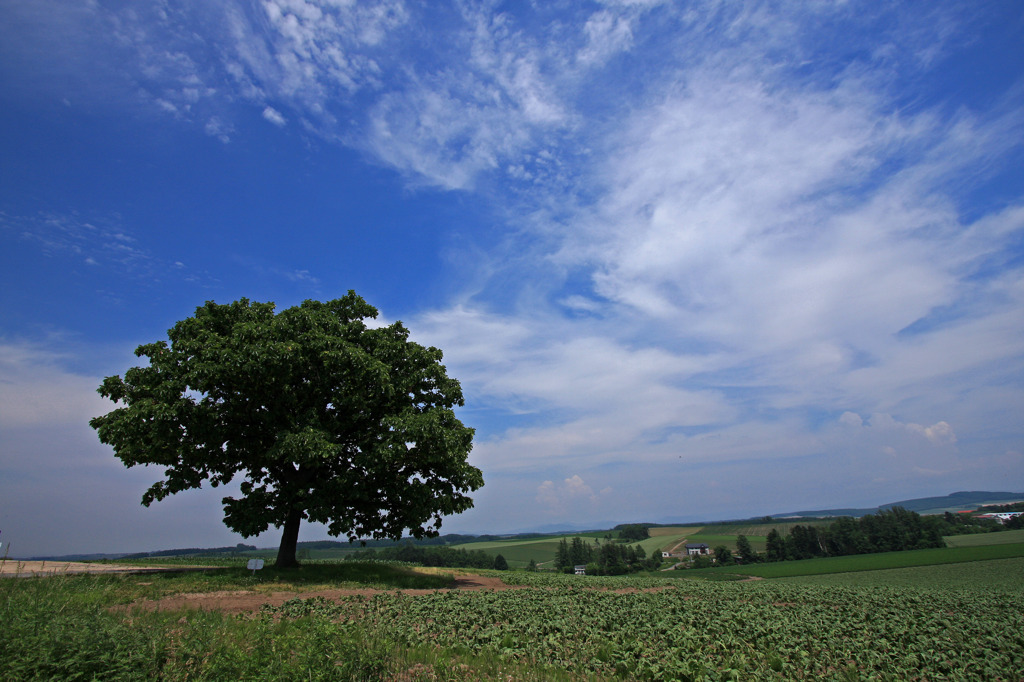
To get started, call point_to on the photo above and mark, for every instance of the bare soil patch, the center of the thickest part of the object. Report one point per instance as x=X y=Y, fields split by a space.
x=246 y=601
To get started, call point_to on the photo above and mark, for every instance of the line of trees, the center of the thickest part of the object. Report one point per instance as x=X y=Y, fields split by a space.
x=194 y=551
x=633 y=532
x=445 y=557
x=610 y=558
x=889 y=530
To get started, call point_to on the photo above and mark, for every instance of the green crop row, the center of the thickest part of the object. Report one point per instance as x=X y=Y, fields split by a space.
x=951 y=622
x=984 y=576
x=702 y=631
x=864 y=562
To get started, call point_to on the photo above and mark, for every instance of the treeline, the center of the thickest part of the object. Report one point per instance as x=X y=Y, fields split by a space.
x=610 y=558
x=1015 y=523
x=445 y=557
x=440 y=540
x=193 y=551
x=1011 y=507
x=966 y=524
x=889 y=530
x=633 y=532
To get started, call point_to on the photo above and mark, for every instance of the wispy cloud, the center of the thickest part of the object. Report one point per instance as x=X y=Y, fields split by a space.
x=725 y=236
x=761 y=253
x=102 y=242
x=274 y=116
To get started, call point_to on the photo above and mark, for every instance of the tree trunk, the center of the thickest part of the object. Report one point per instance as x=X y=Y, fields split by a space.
x=289 y=541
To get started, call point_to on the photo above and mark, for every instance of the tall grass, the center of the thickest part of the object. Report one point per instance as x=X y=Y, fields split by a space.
x=63 y=628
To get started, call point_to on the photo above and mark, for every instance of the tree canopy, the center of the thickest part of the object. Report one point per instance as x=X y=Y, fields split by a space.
x=634 y=532
x=322 y=417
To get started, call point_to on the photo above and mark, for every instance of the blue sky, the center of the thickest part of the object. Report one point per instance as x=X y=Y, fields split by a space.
x=689 y=260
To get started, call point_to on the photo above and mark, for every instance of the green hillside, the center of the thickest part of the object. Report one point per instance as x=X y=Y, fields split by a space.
x=1007 y=537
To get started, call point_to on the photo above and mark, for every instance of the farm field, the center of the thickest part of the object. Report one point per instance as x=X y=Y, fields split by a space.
x=1005 y=537
x=951 y=621
x=543 y=550
x=658 y=542
x=757 y=530
x=953 y=613
x=757 y=542
x=674 y=531
x=993 y=574
x=861 y=562
x=519 y=552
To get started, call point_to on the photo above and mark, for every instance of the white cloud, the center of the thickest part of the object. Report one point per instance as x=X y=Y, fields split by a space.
x=101 y=241
x=572 y=494
x=607 y=34
x=215 y=127
x=274 y=116
x=761 y=250
x=725 y=243
x=310 y=53
x=451 y=125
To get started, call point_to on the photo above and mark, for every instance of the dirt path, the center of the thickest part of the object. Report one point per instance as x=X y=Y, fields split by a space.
x=678 y=545
x=12 y=568
x=245 y=601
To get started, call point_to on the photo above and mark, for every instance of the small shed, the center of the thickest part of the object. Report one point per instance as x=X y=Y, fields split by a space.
x=697 y=549
x=580 y=569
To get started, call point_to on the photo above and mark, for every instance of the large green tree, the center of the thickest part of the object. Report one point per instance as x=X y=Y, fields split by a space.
x=746 y=552
x=322 y=417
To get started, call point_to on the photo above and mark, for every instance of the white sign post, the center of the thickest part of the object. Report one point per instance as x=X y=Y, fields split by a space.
x=255 y=565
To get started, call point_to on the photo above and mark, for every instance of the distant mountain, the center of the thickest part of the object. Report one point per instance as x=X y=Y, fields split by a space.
x=958 y=501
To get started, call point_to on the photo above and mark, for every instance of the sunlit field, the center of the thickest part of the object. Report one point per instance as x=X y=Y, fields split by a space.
x=367 y=621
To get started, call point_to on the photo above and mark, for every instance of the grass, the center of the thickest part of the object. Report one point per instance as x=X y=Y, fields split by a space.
x=673 y=531
x=1006 y=537
x=63 y=628
x=543 y=550
x=309 y=576
x=757 y=543
x=758 y=530
x=984 y=576
x=859 y=562
x=518 y=552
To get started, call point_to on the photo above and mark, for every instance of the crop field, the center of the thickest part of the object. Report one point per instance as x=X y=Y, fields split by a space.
x=518 y=552
x=758 y=530
x=543 y=550
x=758 y=543
x=861 y=562
x=759 y=630
x=994 y=574
x=674 y=531
x=962 y=621
x=1006 y=537
x=667 y=537
x=657 y=544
